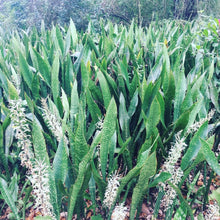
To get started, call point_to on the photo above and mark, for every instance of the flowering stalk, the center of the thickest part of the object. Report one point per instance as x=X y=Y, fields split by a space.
x=52 y=122
x=176 y=173
x=22 y=131
x=40 y=181
x=37 y=170
x=111 y=190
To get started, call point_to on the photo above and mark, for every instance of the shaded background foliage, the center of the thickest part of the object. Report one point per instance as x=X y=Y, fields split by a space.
x=27 y=13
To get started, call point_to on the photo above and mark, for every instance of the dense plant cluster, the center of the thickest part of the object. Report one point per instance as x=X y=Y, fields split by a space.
x=127 y=113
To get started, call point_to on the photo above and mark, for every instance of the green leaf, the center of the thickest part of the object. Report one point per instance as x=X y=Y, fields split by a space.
x=105 y=89
x=81 y=175
x=55 y=77
x=8 y=197
x=25 y=71
x=194 y=146
x=44 y=67
x=73 y=32
x=196 y=86
x=79 y=146
x=93 y=107
x=84 y=77
x=39 y=144
x=210 y=157
x=153 y=117
x=124 y=119
x=179 y=94
x=147 y=171
x=74 y=107
x=67 y=43
x=60 y=39
x=107 y=133
x=60 y=167
x=3 y=159
x=92 y=45
x=60 y=162
x=133 y=104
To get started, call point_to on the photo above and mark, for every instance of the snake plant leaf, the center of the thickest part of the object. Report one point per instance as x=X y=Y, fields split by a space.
x=6 y=194
x=80 y=147
x=109 y=127
x=92 y=46
x=124 y=118
x=147 y=171
x=60 y=162
x=196 y=87
x=60 y=167
x=210 y=156
x=153 y=117
x=55 y=77
x=199 y=158
x=3 y=159
x=40 y=149
x=81 y=175
x=44 y=68
x=188 y=101
x=25 y=70
x=179 y=94
x=84 y=76
x=74 y=106
x=67 y=43
x=93 y=107
x=194 y=146
x=73 y=33
x=169 y=87
x=105 y=88
x=133 y=104
x=60 y=40
x=99 y=181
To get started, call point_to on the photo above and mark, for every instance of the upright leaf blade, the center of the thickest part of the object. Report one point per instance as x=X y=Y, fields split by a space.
x=8 y=197
x=194 y=146
x=25 y=71
x=107 y=133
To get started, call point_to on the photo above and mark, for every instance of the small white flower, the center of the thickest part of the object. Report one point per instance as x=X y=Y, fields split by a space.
x=111 y=190
x=176 y=173
x=119 y=212
x=22 y=131
x=39 y=178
